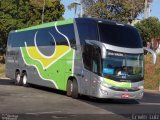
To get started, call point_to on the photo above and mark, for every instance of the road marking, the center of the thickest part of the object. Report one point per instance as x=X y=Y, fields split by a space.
x=146 y=103
x=37 y=113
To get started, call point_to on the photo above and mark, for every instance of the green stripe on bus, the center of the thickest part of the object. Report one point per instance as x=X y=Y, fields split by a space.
x=117 y=84
x=58 y=72
x=46 y=25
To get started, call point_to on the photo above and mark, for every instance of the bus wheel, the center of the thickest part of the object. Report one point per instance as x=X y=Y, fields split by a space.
x=75 y=89
x=18 y=80
x=25 y=80
x=69 y=88
x=72 y=88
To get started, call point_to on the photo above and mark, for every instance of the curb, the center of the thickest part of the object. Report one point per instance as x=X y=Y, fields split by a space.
x=152 y=91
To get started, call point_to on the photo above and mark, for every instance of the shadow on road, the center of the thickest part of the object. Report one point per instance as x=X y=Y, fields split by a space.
x=6 y=82
x=52 y=90
x=84 y=98
x=108 y=101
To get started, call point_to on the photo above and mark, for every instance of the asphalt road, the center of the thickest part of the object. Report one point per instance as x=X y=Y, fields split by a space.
x=42 y=103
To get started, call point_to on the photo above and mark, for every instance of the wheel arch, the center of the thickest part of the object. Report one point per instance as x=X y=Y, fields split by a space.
x=17 y=71
x=24 y=71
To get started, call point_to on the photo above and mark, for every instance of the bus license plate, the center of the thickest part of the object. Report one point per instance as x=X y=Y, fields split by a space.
x=125 y=96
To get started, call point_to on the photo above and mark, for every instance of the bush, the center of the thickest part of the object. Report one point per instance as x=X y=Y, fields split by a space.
x=152 y=73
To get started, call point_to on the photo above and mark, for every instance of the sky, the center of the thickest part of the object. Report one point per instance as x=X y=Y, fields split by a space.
x=155 y=9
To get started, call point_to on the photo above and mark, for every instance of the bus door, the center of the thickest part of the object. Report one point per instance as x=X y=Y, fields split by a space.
x=96 y=70
x=92 y=65
x=86 y=71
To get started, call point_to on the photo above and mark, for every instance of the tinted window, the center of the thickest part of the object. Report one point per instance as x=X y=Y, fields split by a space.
x=87 y=54
x=87 y=30
x=96 y=60
x=17 y=40
x=44 y=37
x=68 y=31
x=122 y=36
x=92 y=58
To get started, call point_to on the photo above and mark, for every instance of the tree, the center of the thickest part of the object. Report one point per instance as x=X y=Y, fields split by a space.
x=16 y=14
x=149 y=28
x=119 y=10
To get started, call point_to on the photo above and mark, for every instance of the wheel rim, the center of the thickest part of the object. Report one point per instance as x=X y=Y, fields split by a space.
x=71 y=87
x=18 y=78
x=24 y=79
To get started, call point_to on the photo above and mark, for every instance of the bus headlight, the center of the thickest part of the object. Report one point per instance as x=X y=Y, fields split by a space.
x=103 y=90
x=141 y=87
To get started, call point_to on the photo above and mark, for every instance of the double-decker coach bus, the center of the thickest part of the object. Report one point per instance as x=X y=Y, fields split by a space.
x=87 y=56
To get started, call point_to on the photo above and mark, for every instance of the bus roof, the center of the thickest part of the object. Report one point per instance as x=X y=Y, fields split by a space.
x=70 y=21
x=45 y=25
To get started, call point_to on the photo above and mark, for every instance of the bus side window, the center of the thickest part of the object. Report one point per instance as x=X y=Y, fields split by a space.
x=92 y=58
x=87 y=56
x=96 y=60
x=87 y=30
x=94 y=66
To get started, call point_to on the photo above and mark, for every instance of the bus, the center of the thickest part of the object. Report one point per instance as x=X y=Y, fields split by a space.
x=82 y=56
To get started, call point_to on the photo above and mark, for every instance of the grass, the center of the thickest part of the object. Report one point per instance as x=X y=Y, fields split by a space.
x=2 y=69
x=152 y=73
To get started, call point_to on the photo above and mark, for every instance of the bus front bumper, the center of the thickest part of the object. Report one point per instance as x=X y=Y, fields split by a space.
x=106 y=92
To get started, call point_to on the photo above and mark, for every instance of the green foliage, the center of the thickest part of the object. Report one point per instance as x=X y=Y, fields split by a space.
x=16 y=14
x=149 y=28
x=119 y=10
x=152 y=73
x=98 y=10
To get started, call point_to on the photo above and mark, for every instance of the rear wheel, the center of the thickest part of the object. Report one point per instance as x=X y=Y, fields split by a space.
x=25 y=80
x=18 y=80
x=72 y=88
x=69 y=88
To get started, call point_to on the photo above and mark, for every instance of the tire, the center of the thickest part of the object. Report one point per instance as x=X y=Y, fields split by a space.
x=72 y=88
x=18 y=79
x=25 y=80
x=69 y=88
x=75 y=89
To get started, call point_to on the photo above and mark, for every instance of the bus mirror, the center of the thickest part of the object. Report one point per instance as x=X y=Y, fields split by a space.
x=100 y=45
x=154 y=55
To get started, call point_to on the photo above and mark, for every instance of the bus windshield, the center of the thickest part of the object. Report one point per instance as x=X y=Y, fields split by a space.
x=119 y=66
x=120 y=35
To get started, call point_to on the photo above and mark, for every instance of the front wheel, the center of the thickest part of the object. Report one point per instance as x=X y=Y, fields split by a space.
x=72 y=88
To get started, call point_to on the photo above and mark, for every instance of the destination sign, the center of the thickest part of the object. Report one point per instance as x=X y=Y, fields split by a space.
x=115 y=54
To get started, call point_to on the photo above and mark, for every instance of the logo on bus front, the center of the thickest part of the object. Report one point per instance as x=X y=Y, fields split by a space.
x=124 y=75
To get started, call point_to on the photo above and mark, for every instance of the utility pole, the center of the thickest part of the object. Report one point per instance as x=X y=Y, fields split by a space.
x=145 y=9
x=78 y=3
x=43 y=11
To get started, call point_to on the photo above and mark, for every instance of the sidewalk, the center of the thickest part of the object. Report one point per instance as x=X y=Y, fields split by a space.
x=2 y=76
x=152 y=91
